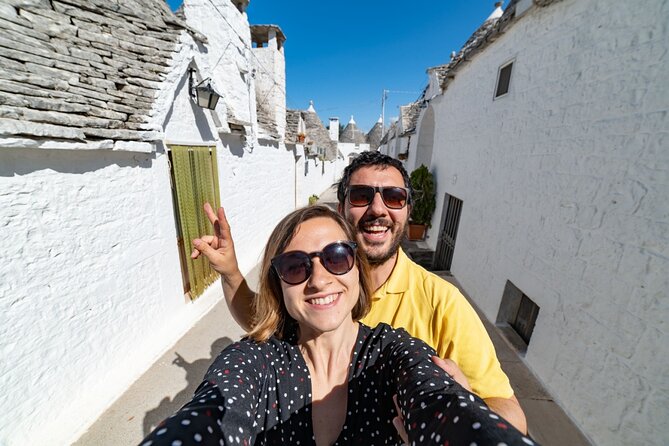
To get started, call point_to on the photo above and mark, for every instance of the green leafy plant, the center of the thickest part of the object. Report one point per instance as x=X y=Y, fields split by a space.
x=313 y=199
x=424 y=198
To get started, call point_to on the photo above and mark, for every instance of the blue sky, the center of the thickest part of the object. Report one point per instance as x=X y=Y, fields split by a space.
x=343 y=54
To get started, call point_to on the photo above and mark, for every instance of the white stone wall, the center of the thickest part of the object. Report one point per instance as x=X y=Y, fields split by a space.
x=421 y=144
x=256 y=180
x=313 y=176
x=257 y=190
x=228 y=60
x=348 y=150
x=565 y=184
x=91 y=291
x=270 y=80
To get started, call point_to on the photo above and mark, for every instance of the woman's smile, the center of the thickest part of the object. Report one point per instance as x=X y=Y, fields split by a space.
x=323 y=302
x=326 y=301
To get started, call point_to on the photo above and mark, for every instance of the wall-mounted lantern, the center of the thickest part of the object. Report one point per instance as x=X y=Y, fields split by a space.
x=204 y=95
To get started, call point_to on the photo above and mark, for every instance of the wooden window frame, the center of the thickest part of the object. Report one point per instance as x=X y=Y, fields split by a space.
x=194 y=175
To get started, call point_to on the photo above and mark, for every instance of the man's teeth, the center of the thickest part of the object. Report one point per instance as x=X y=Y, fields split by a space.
x=324 y=300
x=376 y=229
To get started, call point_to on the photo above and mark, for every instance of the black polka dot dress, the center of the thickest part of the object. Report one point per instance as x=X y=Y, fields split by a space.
x=260 y=394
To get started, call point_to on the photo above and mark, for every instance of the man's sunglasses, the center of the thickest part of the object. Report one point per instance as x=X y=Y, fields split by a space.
x=294 y=267
x=393 y=197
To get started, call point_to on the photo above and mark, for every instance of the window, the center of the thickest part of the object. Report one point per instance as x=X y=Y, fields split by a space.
x=503 y=79
x=194 y=181
x=517 y=316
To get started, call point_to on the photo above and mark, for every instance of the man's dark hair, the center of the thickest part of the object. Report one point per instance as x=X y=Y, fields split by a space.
x=367 y=159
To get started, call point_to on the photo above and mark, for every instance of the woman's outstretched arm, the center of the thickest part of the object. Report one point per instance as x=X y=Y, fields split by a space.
x=436 y=408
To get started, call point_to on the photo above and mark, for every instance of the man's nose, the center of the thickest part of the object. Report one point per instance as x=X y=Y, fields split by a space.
x=377 y=206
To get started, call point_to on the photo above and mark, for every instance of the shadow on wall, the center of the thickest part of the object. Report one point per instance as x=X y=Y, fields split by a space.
x=15 y=161
x=234 y=143
x=198 y=112
x=194 y=373
x=201 y=122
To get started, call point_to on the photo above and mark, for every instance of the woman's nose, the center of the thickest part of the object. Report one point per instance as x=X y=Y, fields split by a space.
x=319 y=275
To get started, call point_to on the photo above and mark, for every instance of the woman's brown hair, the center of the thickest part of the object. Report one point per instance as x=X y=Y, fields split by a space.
x=270 y=316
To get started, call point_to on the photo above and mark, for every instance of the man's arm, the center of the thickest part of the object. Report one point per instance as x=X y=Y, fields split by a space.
x=220 y=251
x=508 y=408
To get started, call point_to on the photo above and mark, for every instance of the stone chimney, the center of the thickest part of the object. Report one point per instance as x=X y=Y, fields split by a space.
x=334 y=129
x=270 y=74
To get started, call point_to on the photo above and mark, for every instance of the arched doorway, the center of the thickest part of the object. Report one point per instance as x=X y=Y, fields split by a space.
x=425 y=139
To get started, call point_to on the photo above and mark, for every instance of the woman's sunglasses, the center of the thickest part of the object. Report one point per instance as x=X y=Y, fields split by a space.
x=393 y=197
x=295 y=267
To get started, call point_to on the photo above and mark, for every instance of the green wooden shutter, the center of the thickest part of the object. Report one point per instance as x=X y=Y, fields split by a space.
x=196 y=182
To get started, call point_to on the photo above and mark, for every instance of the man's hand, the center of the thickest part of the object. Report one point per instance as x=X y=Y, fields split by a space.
x=508 y=408
x=452 y=369
x=398 y=422
x=218 y=248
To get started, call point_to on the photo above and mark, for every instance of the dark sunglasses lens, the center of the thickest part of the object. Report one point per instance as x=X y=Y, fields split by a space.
x=338 y=258
x=293 y=267
x=360 y=195
x=395 y=197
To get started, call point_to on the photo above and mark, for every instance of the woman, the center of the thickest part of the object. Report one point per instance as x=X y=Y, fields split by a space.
x=309 y=372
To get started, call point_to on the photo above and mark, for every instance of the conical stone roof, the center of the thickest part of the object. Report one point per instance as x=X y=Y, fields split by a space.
x=374 y=136
x=352 y=133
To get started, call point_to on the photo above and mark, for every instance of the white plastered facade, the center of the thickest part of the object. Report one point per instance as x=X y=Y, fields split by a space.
x=91 y=291
x=564 y=183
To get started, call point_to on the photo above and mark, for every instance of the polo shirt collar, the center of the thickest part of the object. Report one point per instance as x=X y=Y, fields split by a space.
x=398 y=282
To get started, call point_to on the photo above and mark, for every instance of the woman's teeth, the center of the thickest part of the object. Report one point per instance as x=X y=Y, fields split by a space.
x=324 y=300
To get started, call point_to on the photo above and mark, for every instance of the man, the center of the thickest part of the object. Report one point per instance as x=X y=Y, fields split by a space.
x=375 y=196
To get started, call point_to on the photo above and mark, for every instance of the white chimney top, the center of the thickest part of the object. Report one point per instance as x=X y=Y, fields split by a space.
x=311 y=107
x=334 y=129
x=497 y=13
x=352 y=121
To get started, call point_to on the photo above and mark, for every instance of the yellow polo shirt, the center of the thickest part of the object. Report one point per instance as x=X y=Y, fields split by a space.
x=432 y=309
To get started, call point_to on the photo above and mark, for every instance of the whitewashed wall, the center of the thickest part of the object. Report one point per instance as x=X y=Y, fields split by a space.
x=565 y=184
x=91 y=291
x=347 y=149
x=313 y=176
x=270 y=80
x=256 y=180
x=257 y=190
x=228 y=60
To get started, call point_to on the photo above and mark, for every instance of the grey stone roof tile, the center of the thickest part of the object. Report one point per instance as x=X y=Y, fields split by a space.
x=409 y=117
x=292 y=121
x=390 y=133
x=487 y=33
x=374 y=136
x=316 y=133
x=352 y=134
x=266 y=122
x=84 y=70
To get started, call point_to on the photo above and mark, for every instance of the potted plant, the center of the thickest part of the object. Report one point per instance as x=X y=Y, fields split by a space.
x=423 y=202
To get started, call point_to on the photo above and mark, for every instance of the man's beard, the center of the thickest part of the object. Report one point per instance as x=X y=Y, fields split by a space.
x=378 y=258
